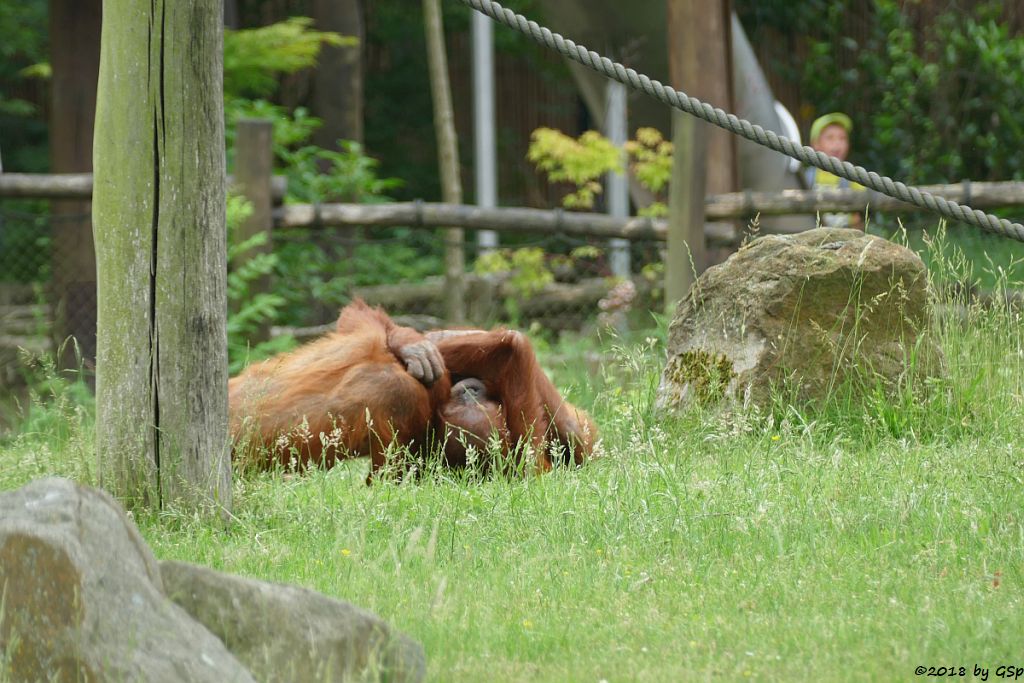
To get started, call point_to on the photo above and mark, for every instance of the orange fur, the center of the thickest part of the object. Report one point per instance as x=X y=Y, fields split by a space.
x=343 y=395
x=347 y=394
x=535 y=413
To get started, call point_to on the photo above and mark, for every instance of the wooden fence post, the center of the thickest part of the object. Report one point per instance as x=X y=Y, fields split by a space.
x=448 y=160
x=686 y=241
x=254 y=168
x=698 y=48
x=158 y=213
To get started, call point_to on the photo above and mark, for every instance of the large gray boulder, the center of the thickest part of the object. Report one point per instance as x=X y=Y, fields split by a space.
x=286 y=633
x=83 y=600
x=801 y=314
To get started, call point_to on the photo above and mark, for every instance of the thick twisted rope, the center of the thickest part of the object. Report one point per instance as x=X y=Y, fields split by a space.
x=691 y=105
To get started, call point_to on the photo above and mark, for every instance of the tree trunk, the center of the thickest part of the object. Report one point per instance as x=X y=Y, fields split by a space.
x=158 y=212
x=705 y=156
x=448 y=158
x=338 y=79
x=74 y=57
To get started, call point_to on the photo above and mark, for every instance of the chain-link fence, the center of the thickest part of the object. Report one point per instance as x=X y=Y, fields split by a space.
x=47 y=281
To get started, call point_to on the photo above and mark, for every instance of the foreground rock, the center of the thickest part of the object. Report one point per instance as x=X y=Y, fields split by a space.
x=284 y=633
x=83 y=598
x=800 y=314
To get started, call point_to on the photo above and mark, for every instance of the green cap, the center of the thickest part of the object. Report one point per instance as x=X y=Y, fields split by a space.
x=837 y=117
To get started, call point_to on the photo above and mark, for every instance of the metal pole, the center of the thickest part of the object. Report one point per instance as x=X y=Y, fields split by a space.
x=485 y=147
x=616 y=123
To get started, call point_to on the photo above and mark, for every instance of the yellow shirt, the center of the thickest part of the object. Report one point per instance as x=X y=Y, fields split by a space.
x=823 y=180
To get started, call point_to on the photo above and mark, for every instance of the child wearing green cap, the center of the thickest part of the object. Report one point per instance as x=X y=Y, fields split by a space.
x=831 y=134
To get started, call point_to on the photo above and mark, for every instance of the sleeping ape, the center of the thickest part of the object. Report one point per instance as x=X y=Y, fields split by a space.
x=373 y=383
x=471 y=418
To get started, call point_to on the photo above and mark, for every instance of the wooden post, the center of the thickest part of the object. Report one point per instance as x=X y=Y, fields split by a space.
x=254 y=170
x=700 y=65
x=448 y=160
x=686 y=245
x=74 y=32
x=158 y=214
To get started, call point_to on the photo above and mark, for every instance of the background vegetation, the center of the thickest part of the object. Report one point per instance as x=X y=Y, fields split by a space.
x=943 y=73
x=23 y=44
x=947 y=81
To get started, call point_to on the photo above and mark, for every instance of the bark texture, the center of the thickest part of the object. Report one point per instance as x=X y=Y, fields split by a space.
x=158 y=213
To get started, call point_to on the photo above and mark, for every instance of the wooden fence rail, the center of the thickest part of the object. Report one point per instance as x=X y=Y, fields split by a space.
x=432 y=215
x=981 y=195
x=79 y=186
x=724 y=207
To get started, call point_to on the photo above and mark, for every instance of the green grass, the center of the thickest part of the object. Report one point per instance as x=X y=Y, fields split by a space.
x=992 y=258
x=850 y=542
